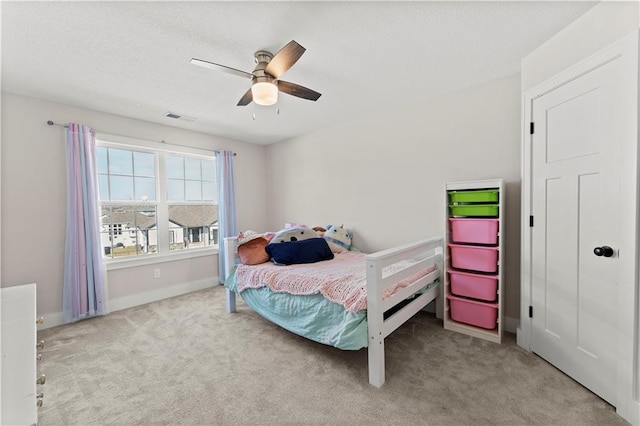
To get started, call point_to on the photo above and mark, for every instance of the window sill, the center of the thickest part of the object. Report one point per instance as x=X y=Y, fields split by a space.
x=112 y=265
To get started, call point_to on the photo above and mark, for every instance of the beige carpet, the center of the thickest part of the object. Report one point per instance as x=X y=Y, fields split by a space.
x=185 y=361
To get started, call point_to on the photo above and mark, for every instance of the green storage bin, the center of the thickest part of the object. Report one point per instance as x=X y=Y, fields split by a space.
x=475 y=196
x=474 y=210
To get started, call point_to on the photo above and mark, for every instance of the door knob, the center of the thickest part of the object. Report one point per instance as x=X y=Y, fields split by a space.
x=605 y=251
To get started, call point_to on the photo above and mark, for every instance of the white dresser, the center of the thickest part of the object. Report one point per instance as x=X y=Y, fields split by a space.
x=19 y=398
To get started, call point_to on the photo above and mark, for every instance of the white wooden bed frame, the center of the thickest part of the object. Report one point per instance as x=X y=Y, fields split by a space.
x=426 y=252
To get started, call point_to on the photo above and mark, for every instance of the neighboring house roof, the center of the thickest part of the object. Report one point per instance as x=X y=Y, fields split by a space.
x=192 y=216
x=187 y=216
x=133 y=219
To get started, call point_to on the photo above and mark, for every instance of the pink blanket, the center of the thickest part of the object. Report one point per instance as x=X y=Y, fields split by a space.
x=341 y=280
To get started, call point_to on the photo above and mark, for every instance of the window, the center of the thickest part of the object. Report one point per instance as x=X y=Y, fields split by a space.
x=191 y=191
x=155 y=200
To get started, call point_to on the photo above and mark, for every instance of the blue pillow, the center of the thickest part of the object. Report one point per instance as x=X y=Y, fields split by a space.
x=303 y=251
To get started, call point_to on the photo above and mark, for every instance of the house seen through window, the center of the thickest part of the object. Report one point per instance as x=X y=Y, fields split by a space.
x=155 y=201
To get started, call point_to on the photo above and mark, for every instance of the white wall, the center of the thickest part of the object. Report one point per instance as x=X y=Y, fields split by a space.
x=602 y=25
x=383 y=176
x=34 y=198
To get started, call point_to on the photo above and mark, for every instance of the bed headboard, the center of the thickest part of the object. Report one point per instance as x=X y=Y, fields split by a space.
x=231 y=257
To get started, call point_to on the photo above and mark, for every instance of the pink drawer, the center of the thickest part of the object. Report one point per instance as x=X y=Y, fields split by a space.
x=484 y=287
x=475 y=231
x=474 y=258
x=480 y=314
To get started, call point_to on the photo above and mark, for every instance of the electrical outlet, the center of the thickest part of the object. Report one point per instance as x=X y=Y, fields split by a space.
x=156 y=273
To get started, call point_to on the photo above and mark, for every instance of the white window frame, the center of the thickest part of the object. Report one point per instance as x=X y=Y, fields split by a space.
x=161 y=203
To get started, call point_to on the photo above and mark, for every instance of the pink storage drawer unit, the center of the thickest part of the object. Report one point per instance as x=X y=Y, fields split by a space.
x=475 y=231
x=484 y=287
x=474 y=258
x=480 y=314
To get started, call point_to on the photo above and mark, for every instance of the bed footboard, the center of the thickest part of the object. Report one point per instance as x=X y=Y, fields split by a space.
x=424 y=254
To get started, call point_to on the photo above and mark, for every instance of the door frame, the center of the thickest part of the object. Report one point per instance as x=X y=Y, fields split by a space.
x=628 y=336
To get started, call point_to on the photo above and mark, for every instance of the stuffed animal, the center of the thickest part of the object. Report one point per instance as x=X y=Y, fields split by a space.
x=293 y=234
x=339 y=238
x=320 y=230
x=251 y=248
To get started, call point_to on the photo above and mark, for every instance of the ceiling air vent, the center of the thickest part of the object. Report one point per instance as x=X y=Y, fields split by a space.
x=179 y=117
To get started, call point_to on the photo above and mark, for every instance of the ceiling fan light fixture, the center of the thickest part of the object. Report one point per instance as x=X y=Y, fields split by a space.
x=264 y=93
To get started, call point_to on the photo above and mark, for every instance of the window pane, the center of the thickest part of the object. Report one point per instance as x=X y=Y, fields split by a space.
x=143 y=164
x=209 y=191
x=101 y=156
x=103 y=185
x=209 y=170
x=175 y=167
x=125 y=230
x=175 y=190
x=145 y=188
x=120 y=162
x=193 y=226
x=121 y=187
x=194 y=190
x=192 y=169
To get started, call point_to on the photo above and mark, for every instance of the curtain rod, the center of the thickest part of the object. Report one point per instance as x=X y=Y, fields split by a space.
x=51 y=123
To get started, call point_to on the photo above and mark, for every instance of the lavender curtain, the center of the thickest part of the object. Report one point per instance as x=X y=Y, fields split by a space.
x=227 y=226
x=84 y=281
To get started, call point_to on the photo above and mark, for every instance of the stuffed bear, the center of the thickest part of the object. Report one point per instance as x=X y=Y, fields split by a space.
x=293 y=234
x=339 y=238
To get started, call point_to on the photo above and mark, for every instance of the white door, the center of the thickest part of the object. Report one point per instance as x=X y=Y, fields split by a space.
x=576 y=150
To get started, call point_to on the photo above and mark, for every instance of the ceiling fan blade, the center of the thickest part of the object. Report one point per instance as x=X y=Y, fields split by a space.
x=297 y=90
x=284 y=59
x=218 y=67
x=246 y=99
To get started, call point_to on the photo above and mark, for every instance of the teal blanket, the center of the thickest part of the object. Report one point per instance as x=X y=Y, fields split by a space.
x=311 y=316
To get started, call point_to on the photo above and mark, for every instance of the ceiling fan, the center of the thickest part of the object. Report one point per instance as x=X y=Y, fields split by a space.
x=265 y=82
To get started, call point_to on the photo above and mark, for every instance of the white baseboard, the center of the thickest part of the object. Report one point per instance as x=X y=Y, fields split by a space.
x=511 y=325
x=633 y=416
x=54 y=319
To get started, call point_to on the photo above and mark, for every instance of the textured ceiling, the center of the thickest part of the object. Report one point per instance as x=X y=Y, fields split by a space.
x=132 y=58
